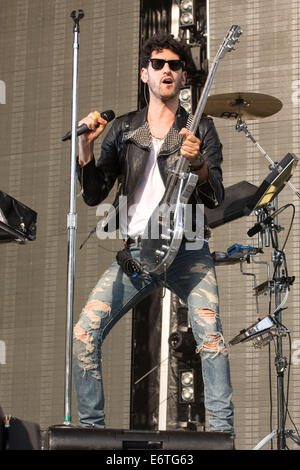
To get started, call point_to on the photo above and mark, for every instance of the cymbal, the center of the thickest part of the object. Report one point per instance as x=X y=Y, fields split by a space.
x=242 y=105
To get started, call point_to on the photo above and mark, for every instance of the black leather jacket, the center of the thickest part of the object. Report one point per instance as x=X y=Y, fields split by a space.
x=124 y=155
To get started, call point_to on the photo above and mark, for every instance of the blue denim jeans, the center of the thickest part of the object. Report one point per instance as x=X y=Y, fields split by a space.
x=192 y=278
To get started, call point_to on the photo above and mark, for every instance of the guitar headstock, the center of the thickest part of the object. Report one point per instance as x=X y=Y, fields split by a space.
x=231 y=39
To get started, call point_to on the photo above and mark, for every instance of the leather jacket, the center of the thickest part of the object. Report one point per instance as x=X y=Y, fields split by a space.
x=124 y=154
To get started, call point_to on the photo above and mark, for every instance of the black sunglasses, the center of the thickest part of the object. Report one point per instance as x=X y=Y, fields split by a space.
x=159 y=64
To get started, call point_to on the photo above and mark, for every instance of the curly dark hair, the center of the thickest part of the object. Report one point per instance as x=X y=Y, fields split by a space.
x=161 y=41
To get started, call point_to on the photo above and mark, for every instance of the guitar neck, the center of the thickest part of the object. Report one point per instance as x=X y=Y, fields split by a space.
x=182 y=163
x=204 y=95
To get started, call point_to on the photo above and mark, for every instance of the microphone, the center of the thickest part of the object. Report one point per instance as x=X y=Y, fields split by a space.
x=260 y=226
x=107 y=115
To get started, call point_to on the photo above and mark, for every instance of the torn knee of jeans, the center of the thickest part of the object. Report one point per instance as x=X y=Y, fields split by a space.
x=83 y=348
x=213 y=343
x=204 y=315
x=97 y=306
x=83 y=332
x=93 y=312
x=81 y=335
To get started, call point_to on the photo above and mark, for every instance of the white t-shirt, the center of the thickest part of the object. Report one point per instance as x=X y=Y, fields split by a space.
x=148 y=194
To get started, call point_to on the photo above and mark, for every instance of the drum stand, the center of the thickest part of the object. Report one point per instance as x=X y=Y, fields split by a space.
x=280 y=284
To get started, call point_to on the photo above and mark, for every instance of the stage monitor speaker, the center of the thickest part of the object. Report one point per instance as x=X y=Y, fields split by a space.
x=18 y=217
x=77 y=438
x=20 y=435
x=2 y=435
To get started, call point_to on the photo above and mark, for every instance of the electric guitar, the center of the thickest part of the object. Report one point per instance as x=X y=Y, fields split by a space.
x=164 y=232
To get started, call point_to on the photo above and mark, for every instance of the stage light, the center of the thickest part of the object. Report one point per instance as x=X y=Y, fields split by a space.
x=185 y=98
x=183 y=343
x=187 y=13
x=186 y=386
x=187 y=378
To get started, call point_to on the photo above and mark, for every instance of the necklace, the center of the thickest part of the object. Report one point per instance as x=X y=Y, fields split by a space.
x=157 y=138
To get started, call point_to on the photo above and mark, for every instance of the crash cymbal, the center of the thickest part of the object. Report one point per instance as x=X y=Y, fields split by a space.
x=242 y=105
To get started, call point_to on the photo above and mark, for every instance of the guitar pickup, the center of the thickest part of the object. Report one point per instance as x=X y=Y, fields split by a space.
x=160 y=253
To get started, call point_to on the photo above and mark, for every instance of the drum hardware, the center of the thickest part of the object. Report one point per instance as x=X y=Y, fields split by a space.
x=256 y=330
x=264 y=287
x=270 y=327
x=242 y=105
x=238 y=106
x=251 y=275
x=248 y=106
x=241 y=126
x=239 y=251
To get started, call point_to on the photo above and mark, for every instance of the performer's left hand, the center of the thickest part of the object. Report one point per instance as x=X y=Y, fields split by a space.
x=190 y=150
x=191 y=145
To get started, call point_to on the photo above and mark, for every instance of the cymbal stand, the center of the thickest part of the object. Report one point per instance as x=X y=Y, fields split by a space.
x=281 y=283
x=241 y=126
x=72 y=224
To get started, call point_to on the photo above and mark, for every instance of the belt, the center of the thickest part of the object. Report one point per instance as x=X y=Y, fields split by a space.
x=132 y=241
x=136 y=240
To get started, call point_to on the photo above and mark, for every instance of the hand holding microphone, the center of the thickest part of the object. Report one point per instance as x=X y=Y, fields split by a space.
x=92 y=122
x=89 y=130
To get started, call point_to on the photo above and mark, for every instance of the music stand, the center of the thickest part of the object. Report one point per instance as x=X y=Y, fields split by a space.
x=273 y=184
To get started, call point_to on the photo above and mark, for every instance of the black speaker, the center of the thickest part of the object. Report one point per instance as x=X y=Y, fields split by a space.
x=77 y=438
x=16 y=219
x=2 y=435
x=236 y=200
x=17 y=434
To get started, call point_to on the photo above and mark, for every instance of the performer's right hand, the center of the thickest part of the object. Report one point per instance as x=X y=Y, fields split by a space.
x=96 y=124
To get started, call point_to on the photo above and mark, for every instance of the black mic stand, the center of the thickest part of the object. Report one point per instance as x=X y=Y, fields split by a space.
x=72 y=225
x=280 y=284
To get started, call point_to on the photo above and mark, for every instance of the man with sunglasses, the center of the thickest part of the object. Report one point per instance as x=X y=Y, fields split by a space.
x=138 y=151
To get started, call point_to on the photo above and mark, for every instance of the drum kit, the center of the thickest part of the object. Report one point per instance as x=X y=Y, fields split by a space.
x=240 y=107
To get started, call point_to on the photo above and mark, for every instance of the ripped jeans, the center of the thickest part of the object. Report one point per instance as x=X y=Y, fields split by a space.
x=191 y=277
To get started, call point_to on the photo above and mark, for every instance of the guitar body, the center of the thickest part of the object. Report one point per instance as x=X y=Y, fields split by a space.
x=165 y=229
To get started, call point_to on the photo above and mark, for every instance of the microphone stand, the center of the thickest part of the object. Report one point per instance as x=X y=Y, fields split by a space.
x=72 y=225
